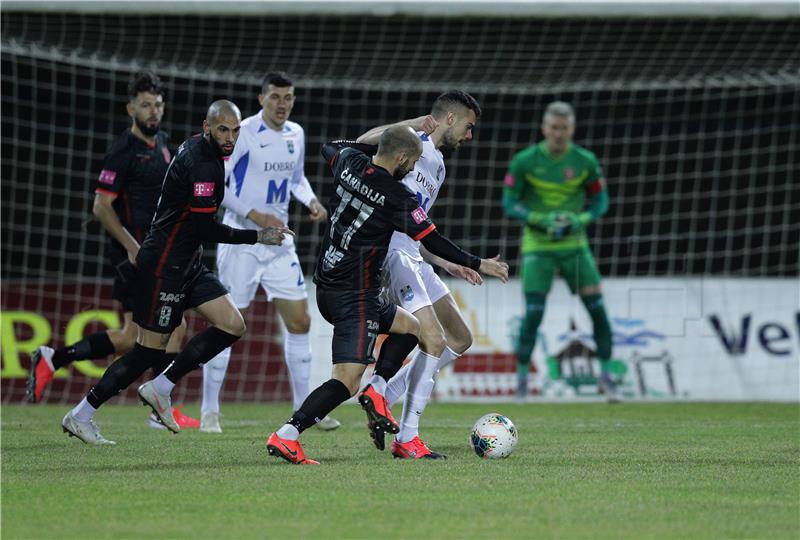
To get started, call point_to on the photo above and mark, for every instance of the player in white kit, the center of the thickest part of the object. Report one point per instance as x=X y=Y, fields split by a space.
x=264 y=171
x=409 y=277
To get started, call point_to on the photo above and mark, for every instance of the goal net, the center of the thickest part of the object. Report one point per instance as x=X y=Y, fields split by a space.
x=695 y=121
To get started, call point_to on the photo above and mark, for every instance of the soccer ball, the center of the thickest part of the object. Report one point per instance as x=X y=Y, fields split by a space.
x=493 y=436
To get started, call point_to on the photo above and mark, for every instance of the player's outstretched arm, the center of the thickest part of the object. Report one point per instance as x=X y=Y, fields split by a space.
x=446 y=249
x=273 y=236
x=456 y=270
x=211 y=230
x=495 y=267
x=425 y=123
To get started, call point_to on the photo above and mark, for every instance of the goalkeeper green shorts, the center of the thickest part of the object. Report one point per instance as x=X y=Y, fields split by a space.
x=576 y=266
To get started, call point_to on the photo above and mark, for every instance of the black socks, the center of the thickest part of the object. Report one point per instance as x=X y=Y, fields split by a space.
x=200 y=349
x=122 y=373
x=319 y=403
x=97 y=345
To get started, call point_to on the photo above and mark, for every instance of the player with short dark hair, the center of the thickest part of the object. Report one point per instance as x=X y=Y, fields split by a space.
x=265 y=171
x=368 y=205
x=409 y=278
x=557 y=188
x=126 y=195
x=171 y=278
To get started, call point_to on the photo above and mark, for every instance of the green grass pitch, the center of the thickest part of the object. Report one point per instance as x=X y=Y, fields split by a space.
x=579 y=471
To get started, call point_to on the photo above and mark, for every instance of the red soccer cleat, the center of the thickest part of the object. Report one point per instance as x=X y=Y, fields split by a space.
x=378 y=412
x=185 y=422
x=414 y=449
x=289 y=450
x=40 y=374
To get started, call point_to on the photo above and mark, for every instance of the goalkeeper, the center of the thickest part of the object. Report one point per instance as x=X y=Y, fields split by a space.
x=547 y=187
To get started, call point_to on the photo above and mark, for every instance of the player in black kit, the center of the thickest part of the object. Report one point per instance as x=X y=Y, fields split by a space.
x=369 y=204
x=126 y=194
x=170 y=277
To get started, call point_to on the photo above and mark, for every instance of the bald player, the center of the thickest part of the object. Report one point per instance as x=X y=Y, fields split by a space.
x=171 y=279
x=368 y=205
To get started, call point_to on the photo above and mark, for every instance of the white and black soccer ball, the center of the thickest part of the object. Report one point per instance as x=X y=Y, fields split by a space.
x=493 y=436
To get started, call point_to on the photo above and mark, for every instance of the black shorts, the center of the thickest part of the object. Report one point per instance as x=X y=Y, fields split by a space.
x=357 y=318
x=124 y=287
x=161 y=301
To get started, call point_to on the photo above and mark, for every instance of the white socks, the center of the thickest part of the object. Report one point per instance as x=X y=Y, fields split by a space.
x=162 y=385
x=419 y=382
x=213 y=378
x=297 y=353
x=83 y=411
x=396 y=387
x=378 y=384
x=288 y=431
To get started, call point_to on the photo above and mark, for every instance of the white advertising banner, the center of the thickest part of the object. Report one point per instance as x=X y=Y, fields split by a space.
x=674 y=339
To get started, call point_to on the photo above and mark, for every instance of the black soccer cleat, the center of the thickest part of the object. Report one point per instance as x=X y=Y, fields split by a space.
x=378 y=435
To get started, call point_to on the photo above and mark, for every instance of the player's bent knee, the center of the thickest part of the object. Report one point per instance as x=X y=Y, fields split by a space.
x=432 y=342
x=590 y=290
x=461 y=343
x=301 y=325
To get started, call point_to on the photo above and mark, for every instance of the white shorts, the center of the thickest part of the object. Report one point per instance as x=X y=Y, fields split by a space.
x=410 y=283
x=242 y=268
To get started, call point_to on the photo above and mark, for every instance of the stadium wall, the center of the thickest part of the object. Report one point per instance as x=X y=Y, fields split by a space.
x=674 y=339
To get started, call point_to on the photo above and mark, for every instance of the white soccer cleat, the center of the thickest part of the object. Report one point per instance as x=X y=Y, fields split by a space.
x=153 y=422
x=607 y=387
x=209 y=422
x=161 y=405
x=88 y=432
x=328 y=424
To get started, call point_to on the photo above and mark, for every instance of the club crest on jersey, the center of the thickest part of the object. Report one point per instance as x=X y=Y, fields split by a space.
x=569 y=173
x=290 y=146
x=203 y=189
x=419 y=215
x=407 y=294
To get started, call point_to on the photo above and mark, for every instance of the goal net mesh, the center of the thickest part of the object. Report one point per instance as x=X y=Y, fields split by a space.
x=695 y=122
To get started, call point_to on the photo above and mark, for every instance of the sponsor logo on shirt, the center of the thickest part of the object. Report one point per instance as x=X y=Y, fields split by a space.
x=279 y=166
x=426 y=184
x=107 y=176
x=419 y=215
x=203 y=189
x=171 y=297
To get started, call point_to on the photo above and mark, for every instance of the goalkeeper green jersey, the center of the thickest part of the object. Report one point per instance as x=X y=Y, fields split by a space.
x=538 y=185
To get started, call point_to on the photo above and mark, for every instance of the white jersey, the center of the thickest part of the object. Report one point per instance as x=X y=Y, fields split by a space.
x=425 y=180
x=265 y=169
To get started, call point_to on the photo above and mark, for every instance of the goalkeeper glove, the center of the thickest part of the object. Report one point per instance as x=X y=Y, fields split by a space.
x=540 y=220
x=563 y=224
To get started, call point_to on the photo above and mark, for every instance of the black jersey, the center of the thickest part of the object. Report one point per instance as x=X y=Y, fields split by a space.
x=368 y=205
x=132 y=173
x=186 y=214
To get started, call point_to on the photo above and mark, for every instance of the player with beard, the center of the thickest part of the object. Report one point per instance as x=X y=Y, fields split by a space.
x=171 y=278
x=126 y=195
x=410 y=280
x=368 y=205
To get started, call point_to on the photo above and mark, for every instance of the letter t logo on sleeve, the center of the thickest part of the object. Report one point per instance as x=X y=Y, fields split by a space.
x=203 y=189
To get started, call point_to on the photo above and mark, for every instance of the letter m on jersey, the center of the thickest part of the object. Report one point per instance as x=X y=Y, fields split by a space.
x=277 y=192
